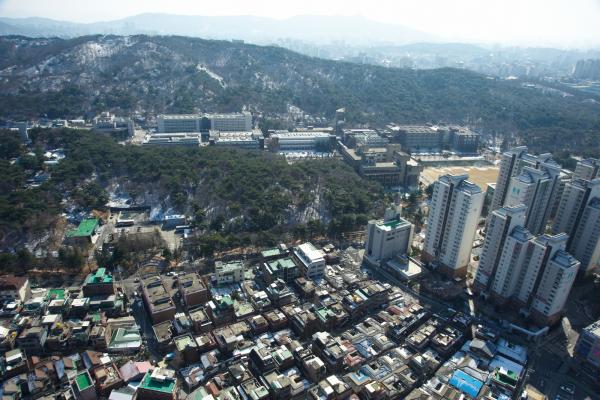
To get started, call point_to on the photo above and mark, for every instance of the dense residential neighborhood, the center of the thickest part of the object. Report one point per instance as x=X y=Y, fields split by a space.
x=271 y=200
x=450 y=292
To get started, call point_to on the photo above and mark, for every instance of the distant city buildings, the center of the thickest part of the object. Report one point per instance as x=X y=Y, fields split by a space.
x=454 y=214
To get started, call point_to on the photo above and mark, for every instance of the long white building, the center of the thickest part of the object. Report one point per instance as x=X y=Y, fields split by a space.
x=230 y=122
x=179 y=123
x=454 y=213
x=501 y=224
x=388 y=237
x=239 y=139
x=301 y=141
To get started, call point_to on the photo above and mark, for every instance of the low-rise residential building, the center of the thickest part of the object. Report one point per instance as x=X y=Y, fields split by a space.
x=32 y=340
x=107 y=378
x=159 y=303
x=228 y=273
x=200 y=320
x=192 y=290
x=283 y=268
x=83 y=387
x=14 y=288
x=158 y=384
x=311 y=260
x=82 y=235
x=99 y=282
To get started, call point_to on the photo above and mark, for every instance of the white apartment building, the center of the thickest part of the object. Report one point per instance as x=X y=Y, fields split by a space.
x=513 y=257
x=554 y=288
x=539 y=189
x=452 y=223
x=587 y=169
x=585 y=241
x=509 y=167
x=388 y=237
x=312 y=260
x=501 y=224
x=575 y=197
x=541 y=249
x=512 y=163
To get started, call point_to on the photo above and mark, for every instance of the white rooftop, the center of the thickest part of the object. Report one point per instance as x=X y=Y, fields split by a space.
x=311 y=252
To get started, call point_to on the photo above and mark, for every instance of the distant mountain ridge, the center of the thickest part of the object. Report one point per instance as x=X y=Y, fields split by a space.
x=354 y=29
x=174 y=74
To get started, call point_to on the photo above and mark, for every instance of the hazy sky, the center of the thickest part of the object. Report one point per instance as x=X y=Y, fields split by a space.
x=530 y=22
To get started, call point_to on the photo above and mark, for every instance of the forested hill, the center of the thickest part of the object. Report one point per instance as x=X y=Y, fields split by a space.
x=154 y=74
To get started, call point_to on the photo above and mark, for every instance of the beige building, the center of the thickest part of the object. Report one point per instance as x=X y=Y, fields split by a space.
x=454 y=214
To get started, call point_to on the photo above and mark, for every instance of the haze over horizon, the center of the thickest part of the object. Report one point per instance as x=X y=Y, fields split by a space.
x=541 y=23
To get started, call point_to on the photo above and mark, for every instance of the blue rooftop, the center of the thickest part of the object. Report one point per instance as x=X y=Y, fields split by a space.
x=466 y=383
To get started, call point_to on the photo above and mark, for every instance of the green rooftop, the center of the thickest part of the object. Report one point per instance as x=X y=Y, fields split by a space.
x=164 y=386
x=270 y=252
x=100 y=276
x=229 y=267
x=86 y=228
x=83 y=381
x=225 y=302
x=394 y=223
x=95 y=317
x=506 y=377
x=325 y=313
x=283 y=263
x=56 y=294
